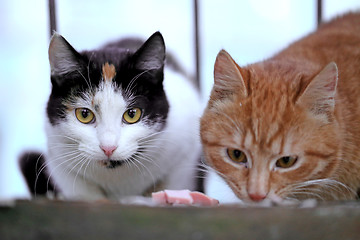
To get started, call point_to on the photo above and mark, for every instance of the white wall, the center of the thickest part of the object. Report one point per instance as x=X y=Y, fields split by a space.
x=250 y=30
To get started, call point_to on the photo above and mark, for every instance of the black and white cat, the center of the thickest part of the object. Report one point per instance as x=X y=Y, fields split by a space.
x=120 y=123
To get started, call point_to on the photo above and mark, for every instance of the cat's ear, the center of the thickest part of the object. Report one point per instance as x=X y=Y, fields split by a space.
x=227 y=77
x=319 y=95
x=64 y=59
x=151 y=55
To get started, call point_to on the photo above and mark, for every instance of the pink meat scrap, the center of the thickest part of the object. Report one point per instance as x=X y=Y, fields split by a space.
x=184 y=197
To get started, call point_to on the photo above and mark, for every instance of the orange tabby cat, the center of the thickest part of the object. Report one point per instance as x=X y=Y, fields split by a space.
x=289 y=127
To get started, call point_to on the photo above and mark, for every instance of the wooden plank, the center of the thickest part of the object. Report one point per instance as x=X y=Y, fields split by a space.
x=71 y=220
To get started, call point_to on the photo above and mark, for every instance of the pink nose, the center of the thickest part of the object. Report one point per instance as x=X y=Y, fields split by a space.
x=257 y=197
x=108 y=150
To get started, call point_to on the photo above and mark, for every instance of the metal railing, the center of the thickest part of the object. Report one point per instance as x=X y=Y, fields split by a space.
x=197 y=52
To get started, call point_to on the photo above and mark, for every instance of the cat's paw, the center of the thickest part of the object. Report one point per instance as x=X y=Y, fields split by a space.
x=137 y=200
x=308 y=203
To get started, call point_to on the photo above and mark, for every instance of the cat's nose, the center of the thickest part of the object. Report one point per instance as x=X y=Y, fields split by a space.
x=108 y=150
x=257 y=197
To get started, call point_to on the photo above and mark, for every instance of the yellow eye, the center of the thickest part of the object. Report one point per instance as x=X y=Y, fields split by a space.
x=132 y=115
x=236 y=155
x=286 y=162
x=84 y=115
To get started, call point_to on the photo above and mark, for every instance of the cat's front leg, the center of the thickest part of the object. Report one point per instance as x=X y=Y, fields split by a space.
x=77 y=188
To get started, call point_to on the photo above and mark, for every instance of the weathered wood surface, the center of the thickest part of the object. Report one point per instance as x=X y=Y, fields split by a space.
x=60 y=220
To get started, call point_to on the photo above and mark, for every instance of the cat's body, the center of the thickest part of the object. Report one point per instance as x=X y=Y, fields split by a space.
x=289 y=127
x=119 y=122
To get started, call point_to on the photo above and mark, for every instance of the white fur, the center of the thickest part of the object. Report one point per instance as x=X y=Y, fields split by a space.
x=74 y=148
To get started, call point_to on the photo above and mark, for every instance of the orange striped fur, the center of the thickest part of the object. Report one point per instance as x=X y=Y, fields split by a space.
x=108 y=72
x=304 y=102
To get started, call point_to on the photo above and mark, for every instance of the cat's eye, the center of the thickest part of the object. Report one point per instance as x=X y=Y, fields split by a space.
x=286 y=162
x=84 y=115
x=236 y=155
x=132 y=115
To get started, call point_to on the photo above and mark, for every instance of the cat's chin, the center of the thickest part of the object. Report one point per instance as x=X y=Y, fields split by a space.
x=111 y=164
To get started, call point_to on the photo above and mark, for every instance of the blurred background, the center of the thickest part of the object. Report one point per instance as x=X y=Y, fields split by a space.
x=250 y=30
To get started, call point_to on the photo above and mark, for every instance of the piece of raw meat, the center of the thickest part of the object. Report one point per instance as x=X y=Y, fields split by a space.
x=184 y=197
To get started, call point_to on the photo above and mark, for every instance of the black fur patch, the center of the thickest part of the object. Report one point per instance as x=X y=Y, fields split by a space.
x=32 y=166
x=114 y=164
x=129 y=64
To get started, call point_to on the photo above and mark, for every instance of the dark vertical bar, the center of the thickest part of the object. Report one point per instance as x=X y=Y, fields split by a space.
x=200 y=175
x=197 y=44
x=52 y=16
x=319 y=12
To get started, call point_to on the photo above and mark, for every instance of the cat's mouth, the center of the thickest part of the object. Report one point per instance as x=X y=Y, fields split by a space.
x=111 y=164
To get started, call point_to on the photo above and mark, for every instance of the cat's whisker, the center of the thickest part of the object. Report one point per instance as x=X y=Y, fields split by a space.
x=73 y=140
x=306 y=195
x=41 y=169
x=82 y=160
x=154 y=138
x=72 y=159
x=234 y=123
x=333 y=184
x=63 y=146
x=197 y=171
x=68 y=154
x=87 y=82
x=128 y=92
x=210 y=169
x=57 y=146
x=129 y=89
x=292 y=199
x=88 y=70
x=76 y=161
x=151 y=141
x=139 y=164
x=79 y=163
x=200 y=173
x=86 y=166
x=147 y=158
x=321 y=185
x=130 y=163
x=203 y=168
x=150 y=151
x=157 y=150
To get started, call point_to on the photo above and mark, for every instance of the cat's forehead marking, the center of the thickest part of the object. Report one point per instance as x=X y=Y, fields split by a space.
x=108 y=72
